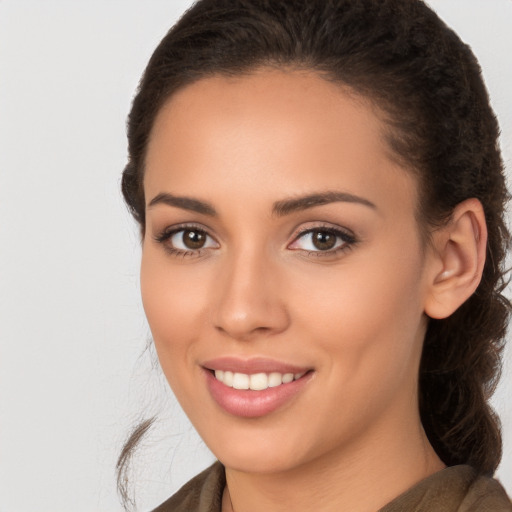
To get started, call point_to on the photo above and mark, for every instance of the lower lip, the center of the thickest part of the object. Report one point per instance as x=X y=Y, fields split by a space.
x=247 y=403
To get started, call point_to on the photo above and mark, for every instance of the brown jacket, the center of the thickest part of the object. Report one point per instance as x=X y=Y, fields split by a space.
x=454 y=489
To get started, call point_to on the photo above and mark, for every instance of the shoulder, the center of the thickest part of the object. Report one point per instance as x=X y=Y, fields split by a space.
x=454 y=489
x=486 y=494
x=201 y=494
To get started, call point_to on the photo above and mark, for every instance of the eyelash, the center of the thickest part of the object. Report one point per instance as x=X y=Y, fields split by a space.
x=348 y=239
x=168 y=233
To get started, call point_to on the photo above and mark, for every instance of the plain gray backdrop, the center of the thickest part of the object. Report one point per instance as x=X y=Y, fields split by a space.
x=73 y=372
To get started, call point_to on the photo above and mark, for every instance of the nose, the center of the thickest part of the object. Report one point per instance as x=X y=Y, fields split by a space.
x=249 y=298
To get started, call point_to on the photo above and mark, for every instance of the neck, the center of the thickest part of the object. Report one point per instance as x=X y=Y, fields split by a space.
x=362 y=478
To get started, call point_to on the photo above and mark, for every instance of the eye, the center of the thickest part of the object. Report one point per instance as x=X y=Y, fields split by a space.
x=327 y=240
x=186 y=240
x=190 y=239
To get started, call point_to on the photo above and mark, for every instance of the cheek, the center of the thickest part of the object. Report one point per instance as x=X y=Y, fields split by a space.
x=172 y=299
x=368 y=315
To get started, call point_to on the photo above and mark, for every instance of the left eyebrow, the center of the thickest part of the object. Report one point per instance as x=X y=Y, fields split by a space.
x=287 y=206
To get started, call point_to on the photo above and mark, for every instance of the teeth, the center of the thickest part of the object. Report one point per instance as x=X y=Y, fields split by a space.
x=287 y=377
x=258 y=381
x=275 y=379
x=228 y=379
x=255 y=381
x=241 y=381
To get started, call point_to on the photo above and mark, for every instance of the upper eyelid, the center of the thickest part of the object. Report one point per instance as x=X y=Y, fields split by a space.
x=176 y=228
x=295 y=234
x=322 y=226
x=346 y=235
x=164 y=238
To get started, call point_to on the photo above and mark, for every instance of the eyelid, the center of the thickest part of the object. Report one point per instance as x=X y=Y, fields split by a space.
x=163 y=237
x=346 y=235
x=174 y=228
x=319 y=226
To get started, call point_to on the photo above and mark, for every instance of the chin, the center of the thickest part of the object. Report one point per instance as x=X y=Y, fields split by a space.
x=259 y=450
x=257 y=461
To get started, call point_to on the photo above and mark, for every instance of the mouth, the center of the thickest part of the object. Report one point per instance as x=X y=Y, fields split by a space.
x=255 y=388
x=256 y=381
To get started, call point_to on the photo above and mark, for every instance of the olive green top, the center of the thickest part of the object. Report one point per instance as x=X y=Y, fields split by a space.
x=454 y=489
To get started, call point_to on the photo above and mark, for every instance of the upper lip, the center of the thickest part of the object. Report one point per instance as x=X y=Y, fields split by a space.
x=253 y=365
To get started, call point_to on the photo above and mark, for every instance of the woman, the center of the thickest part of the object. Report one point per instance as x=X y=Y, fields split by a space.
x=321 y=196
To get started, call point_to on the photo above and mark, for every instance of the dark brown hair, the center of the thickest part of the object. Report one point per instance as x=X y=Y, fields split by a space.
x=399 y=54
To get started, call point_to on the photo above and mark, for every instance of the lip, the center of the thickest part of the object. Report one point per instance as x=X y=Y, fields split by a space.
x=253 y=365
x=249 y=403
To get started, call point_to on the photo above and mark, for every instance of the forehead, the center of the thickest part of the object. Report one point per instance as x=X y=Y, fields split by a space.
x=270 y=131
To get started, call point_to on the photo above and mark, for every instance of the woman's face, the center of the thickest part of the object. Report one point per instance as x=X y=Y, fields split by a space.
x=281 y=244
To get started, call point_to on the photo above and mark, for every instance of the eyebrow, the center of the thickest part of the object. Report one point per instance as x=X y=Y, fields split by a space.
x=185 y=203
x=288 y=206
x=279 y=209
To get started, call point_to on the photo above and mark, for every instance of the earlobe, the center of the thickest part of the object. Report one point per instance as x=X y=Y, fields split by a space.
x=457 y=260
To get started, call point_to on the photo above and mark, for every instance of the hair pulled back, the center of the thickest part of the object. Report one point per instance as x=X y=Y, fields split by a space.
x=428 y=83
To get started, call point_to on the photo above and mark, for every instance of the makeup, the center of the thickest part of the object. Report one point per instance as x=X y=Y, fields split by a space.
x=285 y=278
x=254 y=388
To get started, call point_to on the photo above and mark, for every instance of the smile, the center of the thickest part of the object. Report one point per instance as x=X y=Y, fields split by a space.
x=254 y=388
x=255 y=381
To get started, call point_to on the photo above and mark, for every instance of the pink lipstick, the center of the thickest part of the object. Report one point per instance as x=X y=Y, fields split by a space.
x=255 y=387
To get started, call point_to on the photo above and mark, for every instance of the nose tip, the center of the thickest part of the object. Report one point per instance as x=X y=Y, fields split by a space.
x=249 y=304
x=242 y=327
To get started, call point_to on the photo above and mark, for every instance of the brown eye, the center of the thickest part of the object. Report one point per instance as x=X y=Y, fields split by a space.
x=187 y=240
x=193 y=239
x=323 y=240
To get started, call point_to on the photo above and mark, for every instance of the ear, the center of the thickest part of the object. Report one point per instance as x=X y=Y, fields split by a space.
x=457 y=259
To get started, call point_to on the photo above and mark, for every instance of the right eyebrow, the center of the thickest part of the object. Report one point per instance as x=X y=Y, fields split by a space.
x=185 y=203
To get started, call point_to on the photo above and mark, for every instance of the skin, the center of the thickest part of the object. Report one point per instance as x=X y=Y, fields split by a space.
x=258 y=288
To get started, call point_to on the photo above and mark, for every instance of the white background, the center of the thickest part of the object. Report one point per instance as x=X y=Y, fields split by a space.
x=73 y=372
